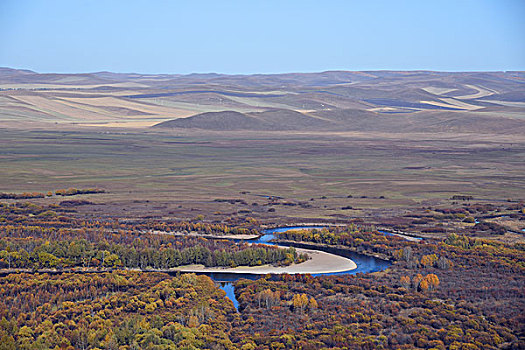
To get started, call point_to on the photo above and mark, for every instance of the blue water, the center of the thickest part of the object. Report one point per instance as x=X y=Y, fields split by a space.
x=386 y=233
x=365 y=264
x=230 y=293
x=227 y=279
x=268 y=234
x=289 y=228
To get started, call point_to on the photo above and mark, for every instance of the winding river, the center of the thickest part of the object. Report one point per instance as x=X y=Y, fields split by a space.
x=365 y=263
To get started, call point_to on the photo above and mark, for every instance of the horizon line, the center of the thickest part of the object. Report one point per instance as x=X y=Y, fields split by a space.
x=274 y=73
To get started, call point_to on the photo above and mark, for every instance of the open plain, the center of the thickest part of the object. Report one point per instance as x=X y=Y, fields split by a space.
x=294 y=147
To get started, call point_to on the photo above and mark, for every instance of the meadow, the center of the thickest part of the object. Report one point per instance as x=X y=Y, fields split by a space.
x=268 y=176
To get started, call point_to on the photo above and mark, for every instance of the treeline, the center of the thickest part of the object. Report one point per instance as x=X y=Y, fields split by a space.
x=119 y=310
x=60 y=192
x=36 y=237
x=460 y=197
x=187 y=226
x=59 y=216
x=74 y=191
x=24 y=195
x=360 y=239
x=41 y=254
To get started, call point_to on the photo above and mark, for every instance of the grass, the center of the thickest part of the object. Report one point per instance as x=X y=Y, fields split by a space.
x=194 y=169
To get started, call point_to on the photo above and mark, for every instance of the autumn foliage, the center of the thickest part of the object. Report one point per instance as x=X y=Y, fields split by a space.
x=455 y=293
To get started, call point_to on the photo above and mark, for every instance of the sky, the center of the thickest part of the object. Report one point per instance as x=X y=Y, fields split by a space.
x=246 y=37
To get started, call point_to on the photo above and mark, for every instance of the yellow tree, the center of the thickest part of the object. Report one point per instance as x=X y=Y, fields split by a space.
x=313 y=304
x=429 y=260
x=423 y=285
x=300 y=301
x=405 y=281
x=432 y=280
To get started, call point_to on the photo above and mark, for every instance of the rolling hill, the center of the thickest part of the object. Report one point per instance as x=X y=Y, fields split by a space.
x=386 y=101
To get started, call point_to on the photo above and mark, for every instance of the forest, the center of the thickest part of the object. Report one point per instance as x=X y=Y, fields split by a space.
x=38 y=239
x=118 y=310
x=66 y=284
x=486 y=276
x=163 y=254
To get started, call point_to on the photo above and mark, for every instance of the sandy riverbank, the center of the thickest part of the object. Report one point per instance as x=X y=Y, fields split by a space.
x=320 y=262
x=196 y=234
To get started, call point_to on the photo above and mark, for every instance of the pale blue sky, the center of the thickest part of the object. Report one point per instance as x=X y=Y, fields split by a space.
x=261 y=36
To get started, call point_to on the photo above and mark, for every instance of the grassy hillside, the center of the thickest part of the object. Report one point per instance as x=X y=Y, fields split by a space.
x=107 y=99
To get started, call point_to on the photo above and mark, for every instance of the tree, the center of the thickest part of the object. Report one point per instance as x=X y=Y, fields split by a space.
x=300 y=301
x=416 y=280
x=312 y=305
x=406 y=253
x=48 y=260
x=269 y=298
x=7 y=343
x=432 y=280
x=429 y=260
x=423 y=285
x=405 y=282
x=443 y=263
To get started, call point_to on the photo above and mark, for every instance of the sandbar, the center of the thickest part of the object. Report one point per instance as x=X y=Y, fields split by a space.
x=319 y=262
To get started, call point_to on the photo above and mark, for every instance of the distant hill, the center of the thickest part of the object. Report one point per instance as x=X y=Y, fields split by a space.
x=349 y=120
x=226 y=120
x=277 y=119
x=424 y=121
x=386 y=101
